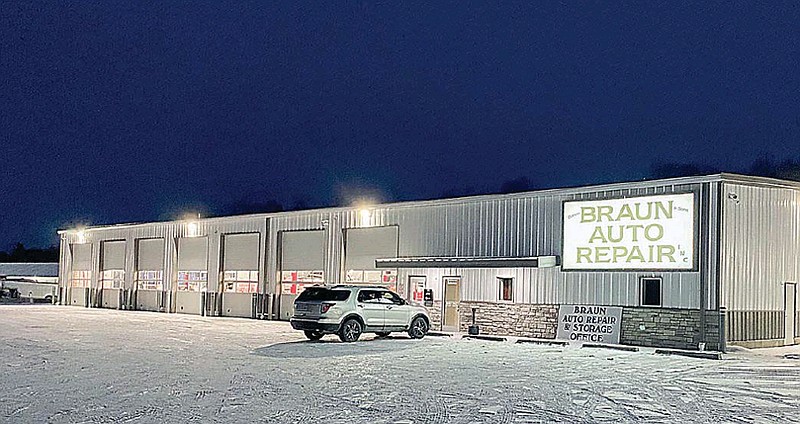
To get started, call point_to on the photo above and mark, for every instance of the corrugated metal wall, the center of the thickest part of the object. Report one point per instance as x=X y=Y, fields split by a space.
x=526 y=224
x=761 y=252
x=761 y=246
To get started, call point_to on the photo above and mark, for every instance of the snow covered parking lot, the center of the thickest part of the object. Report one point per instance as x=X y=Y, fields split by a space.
x=67 y=364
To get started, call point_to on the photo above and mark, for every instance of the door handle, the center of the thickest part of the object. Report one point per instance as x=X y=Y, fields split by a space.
x=360 y=305
x=389 y=307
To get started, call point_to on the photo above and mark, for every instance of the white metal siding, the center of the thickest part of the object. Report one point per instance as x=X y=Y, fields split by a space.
x=761 y=249
x=526 y=224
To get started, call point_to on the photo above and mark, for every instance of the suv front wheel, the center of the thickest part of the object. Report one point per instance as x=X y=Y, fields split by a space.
x=419 y=328
x=350 y=331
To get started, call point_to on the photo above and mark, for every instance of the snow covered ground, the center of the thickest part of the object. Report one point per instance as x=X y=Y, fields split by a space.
x=68 y=364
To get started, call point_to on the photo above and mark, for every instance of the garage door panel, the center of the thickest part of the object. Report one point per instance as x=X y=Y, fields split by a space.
x=192 y=253
x=241 y=251
x=113 y=254
x=302 y=250
x=364 y=245
x=150 y=255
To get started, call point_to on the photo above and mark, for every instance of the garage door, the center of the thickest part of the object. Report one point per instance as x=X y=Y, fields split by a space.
x=362 y=247
x=81 y=265
x=302 y=257
x=150 y=264
x=192 y=264
x=112 y=268
x=240 y=262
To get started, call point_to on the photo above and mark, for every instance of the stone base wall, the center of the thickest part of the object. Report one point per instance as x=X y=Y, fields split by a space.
x=511 y=319
x=435 y=313
x=651 y=327
x=668 y=328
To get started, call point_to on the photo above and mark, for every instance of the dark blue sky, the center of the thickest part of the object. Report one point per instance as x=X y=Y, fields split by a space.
x=128 y=111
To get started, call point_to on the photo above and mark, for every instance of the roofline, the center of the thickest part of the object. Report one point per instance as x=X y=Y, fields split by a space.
x=719 y=177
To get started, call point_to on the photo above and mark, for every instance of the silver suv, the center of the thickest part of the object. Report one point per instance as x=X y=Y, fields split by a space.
x=351 y=310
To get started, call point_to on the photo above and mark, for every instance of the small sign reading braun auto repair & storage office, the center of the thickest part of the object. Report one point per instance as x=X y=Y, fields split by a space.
x=647 y=232
x=589 y=323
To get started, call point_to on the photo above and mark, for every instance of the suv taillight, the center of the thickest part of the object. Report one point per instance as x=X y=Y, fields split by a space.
x=325 y=307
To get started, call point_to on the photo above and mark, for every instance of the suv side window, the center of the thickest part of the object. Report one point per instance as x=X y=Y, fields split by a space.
x=369 y=296
x=392 y=297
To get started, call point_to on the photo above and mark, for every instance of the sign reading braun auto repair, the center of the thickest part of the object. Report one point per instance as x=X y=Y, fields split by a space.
x=651 y=232
x=595 y=324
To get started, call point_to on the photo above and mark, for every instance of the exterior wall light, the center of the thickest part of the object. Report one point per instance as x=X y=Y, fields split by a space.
x=192 y=229
x=364 y=215
x=80 y=237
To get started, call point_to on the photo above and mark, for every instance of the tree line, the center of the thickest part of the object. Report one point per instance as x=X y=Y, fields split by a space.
x=19 y=253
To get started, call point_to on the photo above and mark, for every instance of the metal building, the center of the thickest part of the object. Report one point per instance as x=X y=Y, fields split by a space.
x=678 y=262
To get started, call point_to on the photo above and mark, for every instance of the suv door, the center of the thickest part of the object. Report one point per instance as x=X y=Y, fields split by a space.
x=397 y=310
x=372 y=309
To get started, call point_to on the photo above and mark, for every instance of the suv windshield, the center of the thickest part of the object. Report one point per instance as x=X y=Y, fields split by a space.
x=323 y=294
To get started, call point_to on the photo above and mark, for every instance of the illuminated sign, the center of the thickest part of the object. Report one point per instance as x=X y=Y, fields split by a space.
x=652 y=232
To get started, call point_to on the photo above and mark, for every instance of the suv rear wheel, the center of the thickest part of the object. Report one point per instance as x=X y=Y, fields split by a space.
x=350 y=331
x=313 y=335
x=419 y=328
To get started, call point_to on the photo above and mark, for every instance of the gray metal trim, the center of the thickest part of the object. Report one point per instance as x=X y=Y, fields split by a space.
x=463 y=262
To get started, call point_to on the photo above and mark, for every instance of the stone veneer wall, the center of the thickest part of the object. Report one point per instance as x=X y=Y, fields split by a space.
x=654 y=327
x=511 y=319
x=670 y=328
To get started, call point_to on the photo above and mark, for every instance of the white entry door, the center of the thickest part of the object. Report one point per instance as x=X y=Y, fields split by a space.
x=790 y=302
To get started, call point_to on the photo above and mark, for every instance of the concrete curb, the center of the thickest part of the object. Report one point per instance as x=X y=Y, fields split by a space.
x=610 y=346
x=489 y=338
x=543 y=342
x=691 y=353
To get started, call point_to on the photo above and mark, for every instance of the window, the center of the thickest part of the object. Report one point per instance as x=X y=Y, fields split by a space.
x=369 y=296
x=194 y=281
x=323 y=294
x=240 y=281
x=150 y=280
x=81 y=279
x=506 y=288
x=112 y=279
x=651 y=291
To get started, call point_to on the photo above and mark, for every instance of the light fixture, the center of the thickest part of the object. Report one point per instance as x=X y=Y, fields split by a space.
x=80 y=236
x=365 y=215
x=192 y=229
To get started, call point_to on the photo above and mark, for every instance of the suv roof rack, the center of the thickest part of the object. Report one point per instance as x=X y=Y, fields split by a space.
x=361 y=286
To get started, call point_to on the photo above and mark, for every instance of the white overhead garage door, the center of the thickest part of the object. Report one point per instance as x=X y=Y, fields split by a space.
x=112 y=259
x=150 y=264
x=240 y=262
x=81 y=265
x=193 y=264
x=302 y=259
